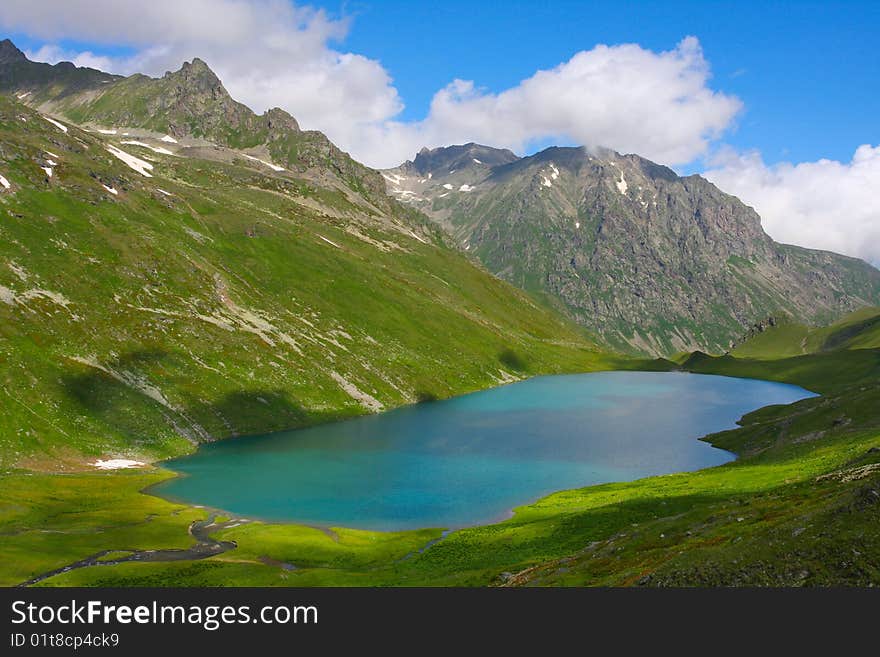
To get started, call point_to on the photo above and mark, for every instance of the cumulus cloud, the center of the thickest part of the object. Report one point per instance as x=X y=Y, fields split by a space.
x=824 y=204
x=267 y=52
x=624 y=97
x=271 y=52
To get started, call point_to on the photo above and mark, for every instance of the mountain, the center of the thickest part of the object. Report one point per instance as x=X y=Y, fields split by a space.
x=190 y=103
x=165 y=280
x=17 y=72
x=653 y=262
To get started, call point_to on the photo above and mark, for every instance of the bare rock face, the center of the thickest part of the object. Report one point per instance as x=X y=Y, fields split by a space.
x=194 y=102
x=653 y=262
x=280 y=122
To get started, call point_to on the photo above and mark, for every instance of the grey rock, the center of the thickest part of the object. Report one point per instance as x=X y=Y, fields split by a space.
x=652 y=262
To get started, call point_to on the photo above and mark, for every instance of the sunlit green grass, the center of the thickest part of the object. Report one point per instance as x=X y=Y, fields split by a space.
x=858 y=330
x=772 y=487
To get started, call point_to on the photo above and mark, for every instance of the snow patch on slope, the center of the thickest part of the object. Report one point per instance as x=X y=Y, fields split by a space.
x=417 y=237
x=274 y=167
x=155 y=149
x=60 y=126
x=134 y=162
x=117 y=464
x=331 y=242
x=394 y=178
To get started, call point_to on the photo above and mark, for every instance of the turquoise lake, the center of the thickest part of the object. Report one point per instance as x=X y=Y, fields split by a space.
x=471 y=459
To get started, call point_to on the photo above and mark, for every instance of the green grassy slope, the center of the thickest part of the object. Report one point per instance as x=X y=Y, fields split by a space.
x=215 y=299
x=801 y=506
x=825 y=372
x=857 y=330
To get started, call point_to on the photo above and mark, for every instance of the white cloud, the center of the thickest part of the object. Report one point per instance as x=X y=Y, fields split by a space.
x=623 y=97
x=270 y=52
x=824 y=204
x=53 y=53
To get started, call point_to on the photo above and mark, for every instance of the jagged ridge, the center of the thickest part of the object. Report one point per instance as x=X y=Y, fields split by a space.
x=653 y=262
x=190 y=102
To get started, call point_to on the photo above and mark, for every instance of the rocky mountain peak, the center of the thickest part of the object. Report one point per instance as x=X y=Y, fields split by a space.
x=451 y=158
x=9 y=52
x=279 y=121
x=196 y=76
x=189 y=102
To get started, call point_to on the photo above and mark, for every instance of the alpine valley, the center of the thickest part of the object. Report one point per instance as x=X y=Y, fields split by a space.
x=176 y=270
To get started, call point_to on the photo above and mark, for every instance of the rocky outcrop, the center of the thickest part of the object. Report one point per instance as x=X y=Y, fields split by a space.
x=10 y=53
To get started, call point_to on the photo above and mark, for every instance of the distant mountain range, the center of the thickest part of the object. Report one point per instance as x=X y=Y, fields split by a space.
x=652 y=262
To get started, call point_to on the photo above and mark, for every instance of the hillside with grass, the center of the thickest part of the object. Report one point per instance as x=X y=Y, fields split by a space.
x=154 y=296
x=799 y=507
x=784 y=337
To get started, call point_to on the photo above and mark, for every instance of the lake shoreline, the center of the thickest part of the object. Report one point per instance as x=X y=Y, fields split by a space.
x=169 y=489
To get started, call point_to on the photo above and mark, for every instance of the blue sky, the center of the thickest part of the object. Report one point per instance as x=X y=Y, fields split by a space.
x=776 y=102
x=808 y=72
